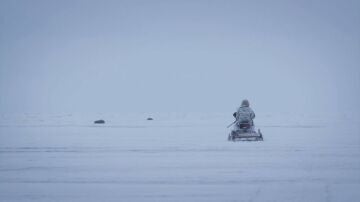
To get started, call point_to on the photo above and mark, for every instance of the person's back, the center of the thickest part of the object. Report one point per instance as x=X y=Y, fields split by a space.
x=245 y=113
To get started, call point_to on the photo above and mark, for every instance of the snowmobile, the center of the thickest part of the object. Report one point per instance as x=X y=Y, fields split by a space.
x=243 y=131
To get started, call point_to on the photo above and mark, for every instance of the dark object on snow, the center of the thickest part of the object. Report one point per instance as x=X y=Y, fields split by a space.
x=149 y=119
x=99 y=122
x=234 y=114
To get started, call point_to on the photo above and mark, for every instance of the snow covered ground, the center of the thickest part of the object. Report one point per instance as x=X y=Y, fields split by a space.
x=177 y=157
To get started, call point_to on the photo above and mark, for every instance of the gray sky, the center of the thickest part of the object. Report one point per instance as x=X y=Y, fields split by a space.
x=179 y=56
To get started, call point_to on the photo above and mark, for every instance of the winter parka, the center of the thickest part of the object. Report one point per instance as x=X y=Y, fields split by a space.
x=245 y=113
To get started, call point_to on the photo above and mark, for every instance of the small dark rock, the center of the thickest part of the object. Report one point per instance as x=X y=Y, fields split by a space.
x=99 y=122
x=149 y=119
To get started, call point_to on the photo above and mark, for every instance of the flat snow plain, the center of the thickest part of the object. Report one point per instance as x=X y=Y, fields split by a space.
x=177 y=157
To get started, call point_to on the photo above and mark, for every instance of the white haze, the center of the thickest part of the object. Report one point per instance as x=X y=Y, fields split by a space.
x=179 y=56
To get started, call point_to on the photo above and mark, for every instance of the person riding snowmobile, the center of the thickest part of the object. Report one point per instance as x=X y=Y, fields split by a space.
x=244 y=114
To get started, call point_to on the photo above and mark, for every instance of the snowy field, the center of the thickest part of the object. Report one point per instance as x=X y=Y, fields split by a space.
x=177 y=157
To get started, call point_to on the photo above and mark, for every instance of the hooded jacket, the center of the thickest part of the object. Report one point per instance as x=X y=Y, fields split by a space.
x=245 y=113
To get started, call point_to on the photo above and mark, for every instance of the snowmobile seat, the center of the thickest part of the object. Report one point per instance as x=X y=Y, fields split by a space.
x=244 y=125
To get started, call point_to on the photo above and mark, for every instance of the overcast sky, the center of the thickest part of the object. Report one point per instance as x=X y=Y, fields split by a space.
x=179 y=56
